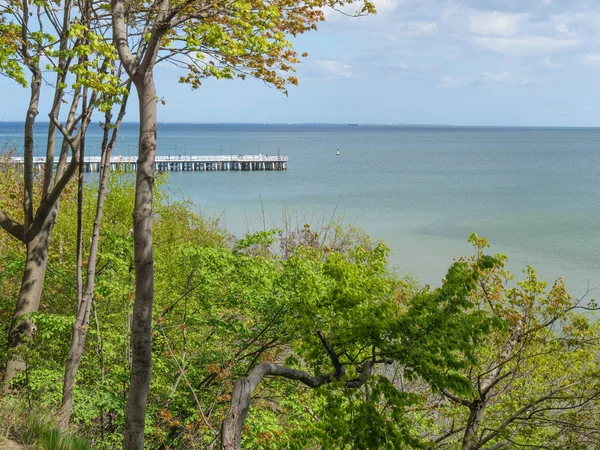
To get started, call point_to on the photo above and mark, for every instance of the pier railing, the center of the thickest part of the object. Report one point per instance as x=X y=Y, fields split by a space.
x=178 y=163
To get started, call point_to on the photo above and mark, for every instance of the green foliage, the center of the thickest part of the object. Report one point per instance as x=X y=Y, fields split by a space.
x=30 y=34
x=441 y=330
x=536 y=377
x=238 y=39
x=95 y=67
x=34 y=428
x=9 y=45
x=295 y=297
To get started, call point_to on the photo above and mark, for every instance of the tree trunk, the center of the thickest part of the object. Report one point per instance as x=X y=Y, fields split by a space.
x=485 y=385
x=36 y=235
x=141 y=333
x=81 y=319
x=32 y=112
x=37 y=229
x=61 y=76
x=37 y=250
x=470 y=439
x=81 y=325
x=233 y=424
x=231 y=430
x=29 y=298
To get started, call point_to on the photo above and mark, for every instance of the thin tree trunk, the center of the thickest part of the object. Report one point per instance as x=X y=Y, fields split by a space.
x=141 y=333
x=231 y=430
x=61 y=76
x=81 y=325
x=37 y=229
x=477 y=408
x=141 y=72
x=100 y=352
x=37 y=245
x=32 y=112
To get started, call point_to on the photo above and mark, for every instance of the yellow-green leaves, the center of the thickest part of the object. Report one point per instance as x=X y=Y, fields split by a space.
x=246 y=38
x=9 y=45
x=95 y=68
x=537 y=367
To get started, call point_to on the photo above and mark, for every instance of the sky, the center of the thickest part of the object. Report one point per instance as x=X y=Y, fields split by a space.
x=446 y=62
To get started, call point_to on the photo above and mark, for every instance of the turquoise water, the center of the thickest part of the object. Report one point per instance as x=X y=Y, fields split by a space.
x=534 y=193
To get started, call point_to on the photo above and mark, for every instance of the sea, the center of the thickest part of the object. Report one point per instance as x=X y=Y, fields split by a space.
x=534 y=193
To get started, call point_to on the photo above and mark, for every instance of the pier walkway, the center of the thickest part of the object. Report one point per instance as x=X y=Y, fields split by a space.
x=178 y=163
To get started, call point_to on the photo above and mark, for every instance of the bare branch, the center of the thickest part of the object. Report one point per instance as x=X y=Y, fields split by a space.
x=63 y=130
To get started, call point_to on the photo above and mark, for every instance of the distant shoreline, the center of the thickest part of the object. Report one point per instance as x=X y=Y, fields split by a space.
x=350 y=125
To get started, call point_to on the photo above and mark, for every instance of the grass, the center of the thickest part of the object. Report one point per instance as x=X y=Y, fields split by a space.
x=34 y=429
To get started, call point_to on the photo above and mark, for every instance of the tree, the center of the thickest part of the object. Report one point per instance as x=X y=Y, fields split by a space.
x=230 y=311
x=85 y=296
x=347 y=315
x=534 y=383
x=73 y=53
x=219 y=39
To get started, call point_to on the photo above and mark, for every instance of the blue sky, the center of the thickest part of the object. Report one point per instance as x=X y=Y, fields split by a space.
x=456 y=62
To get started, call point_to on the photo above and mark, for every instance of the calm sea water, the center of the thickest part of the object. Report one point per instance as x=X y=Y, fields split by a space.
x=534 y=193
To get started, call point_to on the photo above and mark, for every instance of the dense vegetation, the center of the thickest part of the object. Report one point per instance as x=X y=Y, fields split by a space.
x=129 y=321
x=352 y=356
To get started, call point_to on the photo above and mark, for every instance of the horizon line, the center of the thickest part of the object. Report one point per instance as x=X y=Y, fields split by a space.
x=371 y=124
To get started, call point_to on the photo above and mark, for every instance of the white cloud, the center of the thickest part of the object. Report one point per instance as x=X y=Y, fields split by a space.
x=398 y=66
x=524 y=45
x=591 y=58
x=435 y=37
x=504 y=78
x=330 y=69
x=496 y=23
x=485 y=79
x=495 y=78
x=410 y=29
x=547 y=63
x=564 y=30
x=421 y=28
x=384 y=6
x=573 y=21
x=447 y=82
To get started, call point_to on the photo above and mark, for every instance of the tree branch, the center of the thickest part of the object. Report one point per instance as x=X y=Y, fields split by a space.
x=335 y=360
x=120 y=37
x=10 y=226
x=52 y=197
x=63 y=130
x=159 y=28
x=452 y=431
x=456 y=399
x=519 y=414
x=244 y=387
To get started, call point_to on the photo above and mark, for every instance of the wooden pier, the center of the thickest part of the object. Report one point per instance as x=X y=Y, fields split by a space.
x=178 y=163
